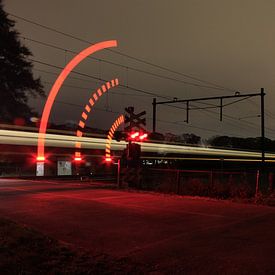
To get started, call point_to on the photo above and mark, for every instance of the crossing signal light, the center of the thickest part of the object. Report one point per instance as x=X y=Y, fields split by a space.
x=137 y=136
x=134 y=135
x=77 y=157
x=143 y=137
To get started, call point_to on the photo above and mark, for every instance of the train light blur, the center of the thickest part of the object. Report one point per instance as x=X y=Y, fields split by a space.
x=108 y=159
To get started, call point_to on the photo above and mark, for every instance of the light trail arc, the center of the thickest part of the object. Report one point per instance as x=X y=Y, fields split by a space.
x=110 y=136
x=86 y=111
x=56 y=87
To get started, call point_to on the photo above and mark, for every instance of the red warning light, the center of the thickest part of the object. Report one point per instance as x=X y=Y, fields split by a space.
x=39 y=158
x=108 y=159
x=144 y=136
x=78 y=159
x=137 y=136
x=134 y=135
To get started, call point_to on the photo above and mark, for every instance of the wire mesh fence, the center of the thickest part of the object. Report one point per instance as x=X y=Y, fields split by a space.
x=213 y=183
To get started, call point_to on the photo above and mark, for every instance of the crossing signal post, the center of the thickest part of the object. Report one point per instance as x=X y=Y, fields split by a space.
x=135 y=132
x=134 y=128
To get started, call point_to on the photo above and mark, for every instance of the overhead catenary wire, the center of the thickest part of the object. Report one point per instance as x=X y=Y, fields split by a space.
x=88 y=89
x=123 y=54
x=124 y=66
x=167 y=105
x=138 y=90
x=130 y=57
x=149 y=118
x=205 y=109
x=97 y=78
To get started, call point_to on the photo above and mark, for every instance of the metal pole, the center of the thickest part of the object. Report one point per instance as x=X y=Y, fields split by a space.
x=187 y=111
x=154 y=114
x=257 y=185
x=262 y=127
x=221 y=110
x=262 y=178
x=118 y=173
x=178 y=182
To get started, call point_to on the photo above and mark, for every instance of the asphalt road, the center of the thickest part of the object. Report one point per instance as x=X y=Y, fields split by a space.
x=173 y=234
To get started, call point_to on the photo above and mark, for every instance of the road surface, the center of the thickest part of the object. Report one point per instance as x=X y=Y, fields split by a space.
x=173 y=234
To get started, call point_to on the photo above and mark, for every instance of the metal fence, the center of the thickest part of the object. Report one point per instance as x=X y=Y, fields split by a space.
x=214 y=183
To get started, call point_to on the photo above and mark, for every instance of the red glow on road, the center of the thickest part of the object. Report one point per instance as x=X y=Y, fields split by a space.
x=57 y=85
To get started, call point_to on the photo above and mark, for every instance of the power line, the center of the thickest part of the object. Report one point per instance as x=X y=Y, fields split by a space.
x=159 y=120
x=87 y=89
x=116 y=112
x=123 y=54
x=130 y=57
x=267 y=112
x=255 y=126
x=100 y=79
x=69 y=76
x=124 y=66
x=166 y=105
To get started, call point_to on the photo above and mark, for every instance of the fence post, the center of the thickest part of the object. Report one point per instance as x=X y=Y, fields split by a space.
x=270 y=181
x=178 y=182
x=257 y=184
x=118 y=173
x=210 y=191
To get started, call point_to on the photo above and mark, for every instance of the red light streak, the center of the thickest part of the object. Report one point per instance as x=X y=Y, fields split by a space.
x=57 y=85
x=84 y=116
x=91 y=102
x=110 y=135
x=94 y=97
x=87 y=108
x=99 y=92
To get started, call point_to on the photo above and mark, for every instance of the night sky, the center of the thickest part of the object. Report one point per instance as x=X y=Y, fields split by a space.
x=229 y=43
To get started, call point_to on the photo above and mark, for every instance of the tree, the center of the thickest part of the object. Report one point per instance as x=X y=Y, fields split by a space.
x=191 y=138
x=17 y=83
